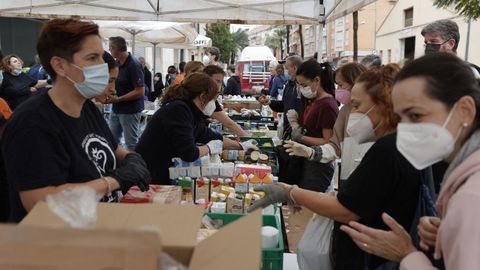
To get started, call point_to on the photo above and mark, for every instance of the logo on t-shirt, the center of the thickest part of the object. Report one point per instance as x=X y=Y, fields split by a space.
x=99 y=152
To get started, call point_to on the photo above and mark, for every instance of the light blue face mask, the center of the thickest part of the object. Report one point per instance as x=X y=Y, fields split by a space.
x=96 y=80
x=17 y=71
x=286 y=75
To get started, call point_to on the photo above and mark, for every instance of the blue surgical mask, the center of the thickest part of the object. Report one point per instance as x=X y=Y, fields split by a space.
x=96 y=80
x=286 y=75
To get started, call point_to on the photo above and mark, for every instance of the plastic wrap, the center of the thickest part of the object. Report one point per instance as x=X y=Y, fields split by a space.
x=76 y=206
x=168 y=263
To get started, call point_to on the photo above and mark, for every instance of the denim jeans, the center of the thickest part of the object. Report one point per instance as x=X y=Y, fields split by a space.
x=129 y=125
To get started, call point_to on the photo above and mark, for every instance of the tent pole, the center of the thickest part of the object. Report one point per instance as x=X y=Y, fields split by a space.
x=154 y=58
x=320 y=31
x=319 y=42
x=133 y=43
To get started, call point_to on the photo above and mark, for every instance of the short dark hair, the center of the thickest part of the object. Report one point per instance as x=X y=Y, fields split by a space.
x=448 y=79
x=215 y=52
x=446 y=29
x=111 y=62
x=213 y=69
x=372 y=60
x=119 y=43
x=232 y=68
x=63 y=38
x=181 y=66
x=172 y=69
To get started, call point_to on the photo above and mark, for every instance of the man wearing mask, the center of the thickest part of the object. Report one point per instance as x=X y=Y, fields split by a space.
x=290 y=96
x=443 y=36
x=148 y=76
x=128 y=103
x=211 y=57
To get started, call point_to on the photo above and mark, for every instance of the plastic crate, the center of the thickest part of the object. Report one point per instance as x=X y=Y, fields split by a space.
x=272 y=258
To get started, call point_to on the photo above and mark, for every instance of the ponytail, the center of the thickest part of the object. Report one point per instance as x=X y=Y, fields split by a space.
x=311 y=69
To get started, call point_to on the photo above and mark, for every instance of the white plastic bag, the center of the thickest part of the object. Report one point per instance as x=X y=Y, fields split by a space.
x=76 y=206
x=314 y=247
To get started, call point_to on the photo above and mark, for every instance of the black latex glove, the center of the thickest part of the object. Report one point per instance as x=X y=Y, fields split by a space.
x=132 y=172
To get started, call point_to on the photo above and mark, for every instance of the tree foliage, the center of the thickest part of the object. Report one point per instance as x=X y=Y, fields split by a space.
x=468 y=8
x=222 y=39
x=275 y=40
x=240 y=39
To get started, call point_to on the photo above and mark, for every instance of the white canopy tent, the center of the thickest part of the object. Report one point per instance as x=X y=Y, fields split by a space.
x=149 y=32
x=271 y=12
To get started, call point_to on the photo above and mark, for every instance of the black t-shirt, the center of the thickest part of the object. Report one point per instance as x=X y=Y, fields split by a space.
x=130 y=76
x=16 y=89
x=43 y=146
x=233 y=86
x=172 y=132
x=384 y=181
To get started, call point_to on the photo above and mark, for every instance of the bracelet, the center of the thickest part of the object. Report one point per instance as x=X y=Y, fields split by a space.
x=108 y=186
x=290 y=194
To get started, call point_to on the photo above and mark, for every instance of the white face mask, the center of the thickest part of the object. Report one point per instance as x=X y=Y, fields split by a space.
x=210 y=108
x=360 y=127
x=424 y=144
x=96 y=80
x=206 y=60
x=307 y=92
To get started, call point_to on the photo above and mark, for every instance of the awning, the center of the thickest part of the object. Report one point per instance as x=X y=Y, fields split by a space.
x=202 y=11
x=149 y=32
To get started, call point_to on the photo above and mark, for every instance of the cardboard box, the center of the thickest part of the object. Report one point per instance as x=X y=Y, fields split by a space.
x=25 y=247
x=236 y=246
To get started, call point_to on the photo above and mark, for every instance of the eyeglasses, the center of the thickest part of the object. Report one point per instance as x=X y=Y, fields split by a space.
x=440 y=44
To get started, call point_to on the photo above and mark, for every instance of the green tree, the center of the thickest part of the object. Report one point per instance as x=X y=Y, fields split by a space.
x=467 y=8
x=275 y=41
x=240 y=41
x=222 y=39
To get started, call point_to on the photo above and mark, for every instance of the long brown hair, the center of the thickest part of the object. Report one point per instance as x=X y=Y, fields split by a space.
x=378 y=85
x=194 y=85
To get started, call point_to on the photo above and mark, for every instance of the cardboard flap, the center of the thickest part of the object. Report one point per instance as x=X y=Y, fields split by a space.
x=29 y=247
x=178 y=224
x=237 y=246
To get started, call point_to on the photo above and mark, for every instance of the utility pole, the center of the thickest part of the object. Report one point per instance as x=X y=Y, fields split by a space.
x=467 y=46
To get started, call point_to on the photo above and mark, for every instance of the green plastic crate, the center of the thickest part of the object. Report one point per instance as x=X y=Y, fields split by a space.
x=272 y=258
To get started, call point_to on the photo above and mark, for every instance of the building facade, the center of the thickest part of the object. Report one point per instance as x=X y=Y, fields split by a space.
x=399 y=38
x=340 y=31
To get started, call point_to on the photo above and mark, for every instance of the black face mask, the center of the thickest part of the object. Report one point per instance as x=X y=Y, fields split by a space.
x=432 y=48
